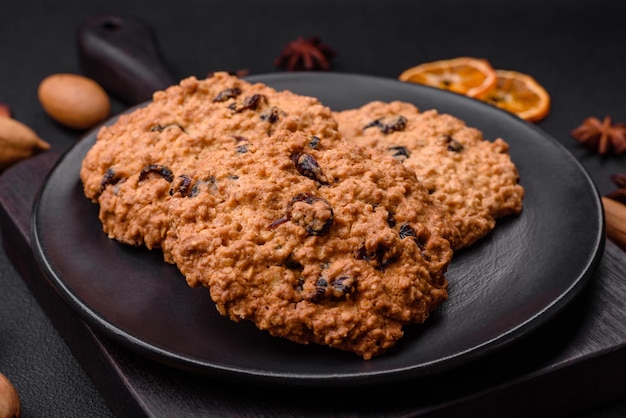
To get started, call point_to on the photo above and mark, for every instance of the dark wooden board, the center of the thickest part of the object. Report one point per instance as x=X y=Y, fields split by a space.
x=575 y=362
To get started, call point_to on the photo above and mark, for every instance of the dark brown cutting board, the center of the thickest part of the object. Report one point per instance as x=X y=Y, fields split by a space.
x=575 y=362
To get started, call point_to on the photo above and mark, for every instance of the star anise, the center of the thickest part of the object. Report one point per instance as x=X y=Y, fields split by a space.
x=603 y=136
x=619 y=180
x=305 y=55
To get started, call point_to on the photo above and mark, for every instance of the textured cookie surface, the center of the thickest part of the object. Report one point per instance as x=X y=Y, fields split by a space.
x=287 y=225
x=474 y=180
x=313 y=241
x=175 y=130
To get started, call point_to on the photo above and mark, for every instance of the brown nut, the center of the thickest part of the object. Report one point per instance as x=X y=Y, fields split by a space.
x=9 y=399
x=17 y=142
x=74 y=100
x=5 y=110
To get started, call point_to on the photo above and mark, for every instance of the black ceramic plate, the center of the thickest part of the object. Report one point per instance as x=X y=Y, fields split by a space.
x=501 y=288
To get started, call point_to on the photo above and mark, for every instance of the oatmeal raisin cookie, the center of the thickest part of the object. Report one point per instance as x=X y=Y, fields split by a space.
x=253 y=194
x=472 y=179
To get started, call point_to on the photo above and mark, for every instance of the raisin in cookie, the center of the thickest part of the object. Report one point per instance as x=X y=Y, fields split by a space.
x=472 y=179
x=129 y=169
x=312 y=241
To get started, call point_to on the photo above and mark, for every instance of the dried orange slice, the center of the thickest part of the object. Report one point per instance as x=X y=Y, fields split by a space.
x=464 y=75
x=520 y=94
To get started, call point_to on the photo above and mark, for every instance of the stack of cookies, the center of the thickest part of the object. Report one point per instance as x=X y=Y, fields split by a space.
x=335 y=228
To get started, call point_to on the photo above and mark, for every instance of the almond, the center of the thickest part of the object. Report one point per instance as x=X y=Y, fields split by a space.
x=73 y=100
x=5 y=110
x=17 y=142
x=9 y=399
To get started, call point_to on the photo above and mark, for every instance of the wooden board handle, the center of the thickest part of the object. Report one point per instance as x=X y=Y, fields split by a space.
x=121 y=54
